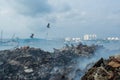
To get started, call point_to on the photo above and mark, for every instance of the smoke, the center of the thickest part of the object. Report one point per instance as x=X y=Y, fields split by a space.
x=86 y=63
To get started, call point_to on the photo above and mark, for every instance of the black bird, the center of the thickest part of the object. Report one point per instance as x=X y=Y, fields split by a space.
x=48 y=25
x=32 y=35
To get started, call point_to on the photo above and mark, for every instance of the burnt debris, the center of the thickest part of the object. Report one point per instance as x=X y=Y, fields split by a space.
x=28 y=63
x=104 y=70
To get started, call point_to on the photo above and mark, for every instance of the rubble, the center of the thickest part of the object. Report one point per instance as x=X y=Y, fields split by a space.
x=28 y=63
x=104 y=70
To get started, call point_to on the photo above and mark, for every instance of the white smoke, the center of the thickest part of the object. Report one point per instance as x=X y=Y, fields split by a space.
x=86 y=63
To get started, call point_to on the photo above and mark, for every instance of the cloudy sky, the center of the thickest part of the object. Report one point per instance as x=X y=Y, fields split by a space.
x=68 y=18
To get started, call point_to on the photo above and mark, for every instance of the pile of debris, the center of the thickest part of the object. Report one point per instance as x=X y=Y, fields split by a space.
x=24 y=63
x=27 y=63
x=104 y=70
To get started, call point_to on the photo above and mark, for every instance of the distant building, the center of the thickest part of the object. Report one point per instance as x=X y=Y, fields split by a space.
x=86 y=37
x=76 y=39
x=90 y=37
x=113 y=38
x=68 y=39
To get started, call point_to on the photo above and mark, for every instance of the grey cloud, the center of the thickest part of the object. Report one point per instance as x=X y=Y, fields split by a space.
x=52 y=19
x=66 y=8
x=117 y=12
x=31 y=7
x=84 y=16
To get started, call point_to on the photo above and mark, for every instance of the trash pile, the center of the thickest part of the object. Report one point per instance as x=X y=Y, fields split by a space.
x=104 y=69
x=28 y=63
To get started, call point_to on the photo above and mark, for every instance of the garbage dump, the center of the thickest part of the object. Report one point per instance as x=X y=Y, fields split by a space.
x=104 y=69
x=27 y=63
